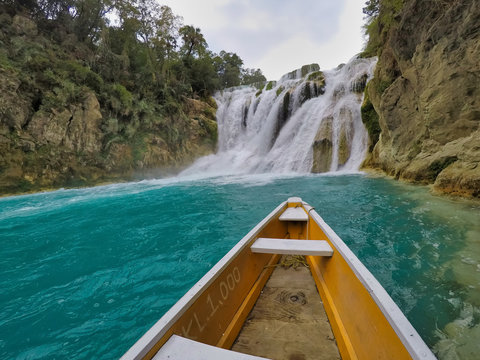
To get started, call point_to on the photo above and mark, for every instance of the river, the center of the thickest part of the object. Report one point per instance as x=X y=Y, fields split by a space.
x=84 y=273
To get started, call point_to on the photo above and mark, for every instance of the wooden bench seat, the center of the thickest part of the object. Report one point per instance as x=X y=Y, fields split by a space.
x=292 y=247
x=294 y=214
x=180 y=348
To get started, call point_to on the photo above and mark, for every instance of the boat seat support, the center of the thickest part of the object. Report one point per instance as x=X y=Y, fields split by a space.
x=180 y=348
x=292 y=247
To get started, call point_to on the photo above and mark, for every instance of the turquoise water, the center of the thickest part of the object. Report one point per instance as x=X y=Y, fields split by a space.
x=84 y=273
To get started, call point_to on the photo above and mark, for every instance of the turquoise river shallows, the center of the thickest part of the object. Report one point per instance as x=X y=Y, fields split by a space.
x=84 y=273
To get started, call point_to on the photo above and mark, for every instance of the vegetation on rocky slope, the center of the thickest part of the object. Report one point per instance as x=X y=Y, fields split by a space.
x=425 y=92
x=95 y=91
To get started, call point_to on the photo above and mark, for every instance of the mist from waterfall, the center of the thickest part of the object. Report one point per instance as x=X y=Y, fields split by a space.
x=275 y=129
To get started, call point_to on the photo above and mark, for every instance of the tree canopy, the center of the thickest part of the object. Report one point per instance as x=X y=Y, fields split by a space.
x=381 y=15
x=371 y=7
x=141 y=45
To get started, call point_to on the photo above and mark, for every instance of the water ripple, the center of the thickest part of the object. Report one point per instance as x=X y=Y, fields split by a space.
x=84 y=273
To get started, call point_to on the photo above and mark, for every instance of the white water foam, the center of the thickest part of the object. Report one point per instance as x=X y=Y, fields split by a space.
x=249 y=140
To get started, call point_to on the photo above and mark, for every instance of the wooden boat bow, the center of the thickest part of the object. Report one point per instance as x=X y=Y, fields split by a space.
x=207 y=320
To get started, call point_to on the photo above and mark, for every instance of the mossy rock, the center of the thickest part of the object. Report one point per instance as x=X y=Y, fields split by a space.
x=343 y=148
x=316 y=76
x=318 y=80
x=306 y=93
x=322 y=155
x=258 y=85
x=306 y=69
x=211 y=102
x=312 y=89
x=359 y=84
x=211 y=130
x=323 y=147
x=286 y=106
x=370 y=120
x=270 y=85
x=438 y=166
x=280 y=90
x=381 y=86
x=283 y=115
x=210 y=112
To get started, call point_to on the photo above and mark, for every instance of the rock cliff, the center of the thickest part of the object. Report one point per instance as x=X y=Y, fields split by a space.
x=424 y=124
x=62 y=126
x=69 y=147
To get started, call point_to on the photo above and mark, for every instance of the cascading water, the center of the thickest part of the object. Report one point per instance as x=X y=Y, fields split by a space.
x=307 y=121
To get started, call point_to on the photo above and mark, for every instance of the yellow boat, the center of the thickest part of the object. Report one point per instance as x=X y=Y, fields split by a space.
x=240 y=310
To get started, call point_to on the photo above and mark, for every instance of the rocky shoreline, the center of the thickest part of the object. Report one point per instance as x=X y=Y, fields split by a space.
x=426 y=97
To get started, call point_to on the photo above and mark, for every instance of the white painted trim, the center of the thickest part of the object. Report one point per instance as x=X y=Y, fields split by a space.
x=406 y=332
x=294 y=200
x=292 y=247
x=180 y=348
x=155 y=333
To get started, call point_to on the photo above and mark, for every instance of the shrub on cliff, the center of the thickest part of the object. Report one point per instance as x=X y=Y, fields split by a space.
x=381 y=15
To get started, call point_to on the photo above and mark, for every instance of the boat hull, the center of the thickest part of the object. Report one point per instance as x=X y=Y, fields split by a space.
x=367 y=324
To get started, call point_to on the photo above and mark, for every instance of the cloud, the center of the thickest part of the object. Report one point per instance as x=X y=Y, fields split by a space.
x=284 y=17
x=207 y=14
x=278 y=35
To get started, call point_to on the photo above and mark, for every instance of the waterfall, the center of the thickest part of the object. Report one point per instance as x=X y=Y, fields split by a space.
x=307 y=121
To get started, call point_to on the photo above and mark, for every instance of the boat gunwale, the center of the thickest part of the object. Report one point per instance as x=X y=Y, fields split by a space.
x=143 y=345
x=396 y=318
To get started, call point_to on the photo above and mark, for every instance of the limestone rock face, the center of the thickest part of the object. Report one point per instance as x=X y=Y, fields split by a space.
x=76 y=128
x=84 y=129
x=345 y=136
x=322 y=147
x=427 y=95
x=14 y=110
x=74 y=146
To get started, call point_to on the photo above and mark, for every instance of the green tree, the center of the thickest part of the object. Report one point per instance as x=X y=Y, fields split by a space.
x=167 y=32
x=381 y=16
x=55 y=9
x=194 y=43
x=89 y=18
x=371 y=8
x=202 y=75
x=229 y=69
x=13 y=6
x=252 y=76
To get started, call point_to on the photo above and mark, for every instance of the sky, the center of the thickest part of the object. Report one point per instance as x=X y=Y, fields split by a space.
x=278 y=36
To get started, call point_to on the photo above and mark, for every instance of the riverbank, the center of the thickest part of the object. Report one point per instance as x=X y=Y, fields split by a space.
x=422 y=107
x=173 y=174
x=471 y=194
